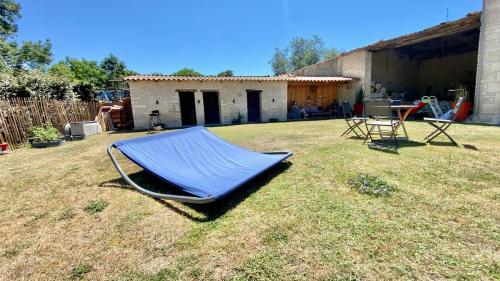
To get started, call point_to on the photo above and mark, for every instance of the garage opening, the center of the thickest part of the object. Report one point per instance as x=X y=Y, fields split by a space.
x=211 y=108
x=188 y=109
x=253 y=106
x=434 y=62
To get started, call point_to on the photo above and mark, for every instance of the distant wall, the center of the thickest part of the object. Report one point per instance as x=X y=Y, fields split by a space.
x=427 y=77
x=144 y=95
x=355 y=64
x=436 y=76
x=395 y=73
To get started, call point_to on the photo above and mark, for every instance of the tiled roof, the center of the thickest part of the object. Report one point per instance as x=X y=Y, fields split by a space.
x=236 y=78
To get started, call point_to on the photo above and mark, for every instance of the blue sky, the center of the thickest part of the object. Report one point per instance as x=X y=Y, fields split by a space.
x=212 y=36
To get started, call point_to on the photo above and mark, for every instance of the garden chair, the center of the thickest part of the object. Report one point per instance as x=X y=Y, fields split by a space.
x=353 y=122
x=380 y=117
x=442 y=123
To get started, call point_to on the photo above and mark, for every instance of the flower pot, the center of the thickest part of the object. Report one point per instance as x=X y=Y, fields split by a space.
x=44 y=144
x=463 y=112
x=358 y=109
x=3 y=146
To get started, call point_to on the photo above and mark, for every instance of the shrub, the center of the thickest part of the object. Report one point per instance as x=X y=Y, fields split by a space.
x=371 y=185
x=44 y=134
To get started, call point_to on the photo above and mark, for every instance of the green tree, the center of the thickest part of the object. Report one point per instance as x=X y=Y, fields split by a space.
x=9 y=13
x=226 y=73
x=300 y=53
x=62 y=69
x=8 y=55
x=187 y=72
x=34 y=55
x=305 y=52
x=279 y=62
x=113 y=67
x=331 y=53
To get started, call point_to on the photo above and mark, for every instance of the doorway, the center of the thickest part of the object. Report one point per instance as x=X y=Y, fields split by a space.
x=253 y=106
x=188 y=108
x=211 y=107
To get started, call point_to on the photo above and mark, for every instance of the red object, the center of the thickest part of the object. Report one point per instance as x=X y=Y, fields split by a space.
x=420 y=105
x=463 y=112
x=3 y=146
x=358 y=109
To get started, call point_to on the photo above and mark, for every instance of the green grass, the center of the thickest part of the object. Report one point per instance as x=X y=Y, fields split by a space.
x=96 y=206
x=80 y=271
x=300 y=221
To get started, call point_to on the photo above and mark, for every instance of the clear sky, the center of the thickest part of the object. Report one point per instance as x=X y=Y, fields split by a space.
x=212 y=36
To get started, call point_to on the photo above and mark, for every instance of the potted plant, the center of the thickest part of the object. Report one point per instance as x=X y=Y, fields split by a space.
x=46 y=136
x=358 y=106
x=464 y=110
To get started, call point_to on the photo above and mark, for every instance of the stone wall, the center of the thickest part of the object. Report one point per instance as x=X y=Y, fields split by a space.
x=487 y=102
x=164 y=96
x=395 y=73
x=355 y=64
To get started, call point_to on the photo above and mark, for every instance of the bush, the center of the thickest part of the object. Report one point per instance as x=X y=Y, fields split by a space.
x=44 y=134
x=35 y=83
x=371 y=185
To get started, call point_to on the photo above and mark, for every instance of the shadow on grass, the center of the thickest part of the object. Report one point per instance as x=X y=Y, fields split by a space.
x=211 y=211
x=443 y=143
x=470 y=146
x=403 y=144
x=355 y=138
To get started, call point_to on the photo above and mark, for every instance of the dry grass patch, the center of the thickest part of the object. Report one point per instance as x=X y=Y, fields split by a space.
x=65 y=213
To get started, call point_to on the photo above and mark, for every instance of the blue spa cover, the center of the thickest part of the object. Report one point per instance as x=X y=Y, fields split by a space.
x=197 y=161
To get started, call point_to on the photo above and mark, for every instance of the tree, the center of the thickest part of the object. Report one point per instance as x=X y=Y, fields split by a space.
x=279 y=62
x=9 y=13
x=8 y=55
x=62 y=69
x=333 y=52
x=305 y=52
x=34 y=55
x=187 y=72
x=300 y=53
x=113 y=67
x=227 y=73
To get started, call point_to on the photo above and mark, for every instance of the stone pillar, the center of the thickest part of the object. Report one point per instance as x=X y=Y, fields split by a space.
x=487 y=97
x=200 y=109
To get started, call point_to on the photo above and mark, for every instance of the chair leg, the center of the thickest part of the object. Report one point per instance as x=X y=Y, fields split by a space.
x=358 y=124
x=369 y=134
x=435 y=134
x=437 y=130
x=442 y=130
x=348 y=130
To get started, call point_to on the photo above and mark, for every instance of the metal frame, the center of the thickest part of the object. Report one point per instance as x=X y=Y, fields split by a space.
x=356 y=121
x=441 y=129
x=180 y=198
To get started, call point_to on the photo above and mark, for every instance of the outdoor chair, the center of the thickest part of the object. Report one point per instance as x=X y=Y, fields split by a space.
x=353 y=122
x=380 y=117
x=442 y=123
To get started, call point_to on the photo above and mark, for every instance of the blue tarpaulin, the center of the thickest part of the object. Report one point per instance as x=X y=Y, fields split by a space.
x=198 y=162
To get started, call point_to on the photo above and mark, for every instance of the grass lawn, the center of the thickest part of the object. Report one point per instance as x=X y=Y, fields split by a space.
x=65 y=213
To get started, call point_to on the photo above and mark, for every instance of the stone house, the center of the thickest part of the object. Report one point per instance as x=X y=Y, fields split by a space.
x=188 y=101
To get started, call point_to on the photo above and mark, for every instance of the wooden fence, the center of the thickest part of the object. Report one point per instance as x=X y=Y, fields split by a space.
x=19 y=115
